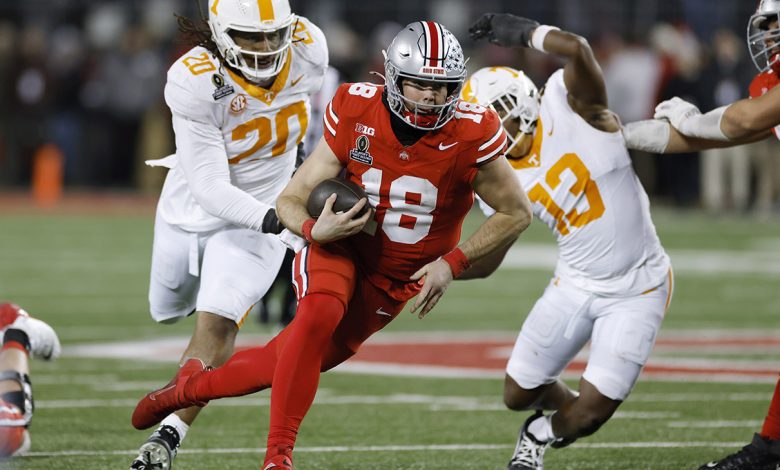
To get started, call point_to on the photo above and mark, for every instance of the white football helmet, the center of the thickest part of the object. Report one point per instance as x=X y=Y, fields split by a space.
x=424 y=50
x=763 y=38
x=511 y=94
x=271 y=20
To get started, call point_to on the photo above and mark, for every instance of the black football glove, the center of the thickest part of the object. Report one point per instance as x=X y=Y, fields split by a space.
x=504 y=29
x=300 y=156
x=271 y=223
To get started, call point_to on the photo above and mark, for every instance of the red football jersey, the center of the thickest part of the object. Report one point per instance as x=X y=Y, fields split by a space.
x=762 y=83
x=421 y=193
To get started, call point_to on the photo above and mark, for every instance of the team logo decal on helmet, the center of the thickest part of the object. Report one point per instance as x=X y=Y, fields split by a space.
x=424 y=50
x=763 y=36
x=267 y=24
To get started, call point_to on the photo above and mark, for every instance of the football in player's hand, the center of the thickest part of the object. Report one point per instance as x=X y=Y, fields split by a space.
x=347 y=195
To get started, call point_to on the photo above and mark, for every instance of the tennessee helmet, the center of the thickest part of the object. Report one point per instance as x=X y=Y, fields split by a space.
x=424 y=50
x=511 y=94
x=271 y=21
x=763 y=37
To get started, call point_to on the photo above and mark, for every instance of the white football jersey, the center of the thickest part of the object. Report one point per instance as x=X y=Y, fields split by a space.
x=259 y=129
x=583 y=186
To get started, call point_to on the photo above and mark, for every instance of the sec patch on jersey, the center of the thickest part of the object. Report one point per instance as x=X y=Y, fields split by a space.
x=347 y=195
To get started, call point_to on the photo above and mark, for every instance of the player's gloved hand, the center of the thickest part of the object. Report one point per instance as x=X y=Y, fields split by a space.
x=677 y=111
x=504 y=29
x=271 y=223
x=331 y=226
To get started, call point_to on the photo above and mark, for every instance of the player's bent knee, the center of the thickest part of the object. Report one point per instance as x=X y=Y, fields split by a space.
x=518 y=398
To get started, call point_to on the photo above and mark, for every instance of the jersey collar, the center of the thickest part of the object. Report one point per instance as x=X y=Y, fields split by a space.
x=265 y=95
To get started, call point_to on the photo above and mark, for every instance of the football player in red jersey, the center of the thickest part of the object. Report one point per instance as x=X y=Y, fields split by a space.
x=420 y=153
x=21 y=336
x=679 y=126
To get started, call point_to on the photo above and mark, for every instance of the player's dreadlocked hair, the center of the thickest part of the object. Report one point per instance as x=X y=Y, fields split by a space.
x=197 y=32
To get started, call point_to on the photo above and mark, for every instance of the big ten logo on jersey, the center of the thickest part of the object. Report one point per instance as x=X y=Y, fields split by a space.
x=222 y=88
x=409 y=206
x=567 y=166
x=270 y=130
x=360 y=152
x=364 y=129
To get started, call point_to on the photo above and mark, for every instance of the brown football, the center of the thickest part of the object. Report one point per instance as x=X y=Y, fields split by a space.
x=347 y=195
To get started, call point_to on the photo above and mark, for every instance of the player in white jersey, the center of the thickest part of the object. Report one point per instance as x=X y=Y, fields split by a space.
x=680 y=127
x=613 y=282
x=240 y=107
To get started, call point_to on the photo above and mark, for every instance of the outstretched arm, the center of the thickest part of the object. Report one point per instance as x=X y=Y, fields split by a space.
x=658 y=136
x=743 y=121
x=582 y=74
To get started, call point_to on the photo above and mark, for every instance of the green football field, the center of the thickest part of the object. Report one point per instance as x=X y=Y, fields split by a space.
x=712 y=376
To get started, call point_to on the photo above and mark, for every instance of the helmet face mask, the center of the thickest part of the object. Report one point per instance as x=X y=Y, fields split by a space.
x=425 y=53
x=763 y=36
x=512 y=95
x=252 y=39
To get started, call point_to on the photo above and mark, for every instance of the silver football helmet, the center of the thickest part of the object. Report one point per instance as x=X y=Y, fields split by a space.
x=763 y=36
x=272 y=20
x=424 y=50
x=511 y=94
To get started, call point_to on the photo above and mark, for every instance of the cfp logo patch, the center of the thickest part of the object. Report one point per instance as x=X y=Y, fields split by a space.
x=360 y=152
x=222 y=89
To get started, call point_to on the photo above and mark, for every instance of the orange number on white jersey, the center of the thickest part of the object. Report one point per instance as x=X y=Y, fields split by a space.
x=301 y=34
x=199 y=64
x=583 y=185
x=264 y=132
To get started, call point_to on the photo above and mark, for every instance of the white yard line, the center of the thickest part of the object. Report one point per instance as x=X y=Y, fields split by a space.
x=435 y=402
x=752 y=424
x=399 y=448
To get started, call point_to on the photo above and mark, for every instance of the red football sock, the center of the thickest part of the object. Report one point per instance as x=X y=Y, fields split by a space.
x=245 y=372
x=771 y=428
x=298 y=369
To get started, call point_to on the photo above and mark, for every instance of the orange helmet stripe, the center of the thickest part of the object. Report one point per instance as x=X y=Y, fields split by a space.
x=266 y=10
x=214 y=7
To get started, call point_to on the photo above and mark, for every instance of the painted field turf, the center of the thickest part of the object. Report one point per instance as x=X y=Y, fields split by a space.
x=87 y=275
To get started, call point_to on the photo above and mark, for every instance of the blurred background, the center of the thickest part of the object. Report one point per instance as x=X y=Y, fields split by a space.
x=81 y=84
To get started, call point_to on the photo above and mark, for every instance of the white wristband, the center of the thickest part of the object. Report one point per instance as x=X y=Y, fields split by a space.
x=537 y=38
x=649 y=136
x=705 y=126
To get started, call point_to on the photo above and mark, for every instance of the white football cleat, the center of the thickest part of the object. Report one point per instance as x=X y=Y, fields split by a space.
x=44 y=343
